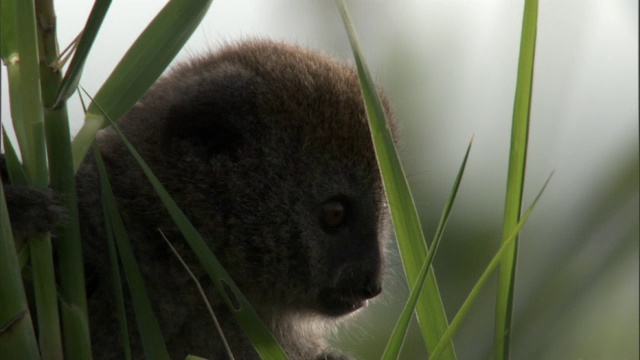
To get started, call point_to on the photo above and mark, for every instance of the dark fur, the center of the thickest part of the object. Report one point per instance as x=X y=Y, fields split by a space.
x=250 y=141
x=33 y=210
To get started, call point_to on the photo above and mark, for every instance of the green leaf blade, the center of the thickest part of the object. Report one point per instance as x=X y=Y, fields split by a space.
x=89 y=33
x=141 y=66
x=515 y=178
x=413 y=250
x=392 y=351
x=475 y=291
x=148 y=326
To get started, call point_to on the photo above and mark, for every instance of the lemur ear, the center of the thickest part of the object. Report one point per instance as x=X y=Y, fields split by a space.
x=214 y=109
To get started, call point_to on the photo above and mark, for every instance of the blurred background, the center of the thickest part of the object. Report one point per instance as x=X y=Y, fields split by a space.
x=450 y=69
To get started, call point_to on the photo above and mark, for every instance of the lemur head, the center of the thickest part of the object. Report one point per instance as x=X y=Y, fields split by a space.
x=268 y=151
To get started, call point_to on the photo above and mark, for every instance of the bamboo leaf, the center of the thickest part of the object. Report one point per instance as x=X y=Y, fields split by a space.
x=413 y=249
x=502 y=252
x=141 y=66
x=149 y=329
x=394 y=345
x=72 y=77
x=515 y=179
x=117 y=284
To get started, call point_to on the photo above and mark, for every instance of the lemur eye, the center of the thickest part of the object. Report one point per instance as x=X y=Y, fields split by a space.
x=334 y=213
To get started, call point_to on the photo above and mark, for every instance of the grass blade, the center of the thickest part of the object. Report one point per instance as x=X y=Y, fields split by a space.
x=502 y=252
x=72 y=77
x=141 y=66
x=394 y=346
x=116 y=278
x=148 y=327
x=430 y=312
x=117 y=286
x=515 y=180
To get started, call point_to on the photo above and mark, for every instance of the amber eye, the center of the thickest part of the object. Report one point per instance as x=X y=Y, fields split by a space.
x=333 y=214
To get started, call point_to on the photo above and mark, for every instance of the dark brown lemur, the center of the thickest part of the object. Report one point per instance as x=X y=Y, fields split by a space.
x=267 y=149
